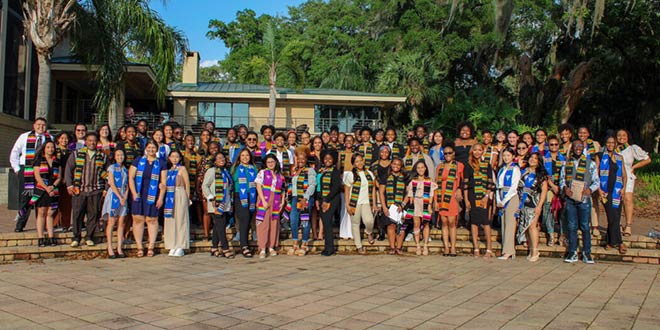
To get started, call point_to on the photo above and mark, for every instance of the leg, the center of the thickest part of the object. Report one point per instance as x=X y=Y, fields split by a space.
x=445 y=234
x=262 y=235
x=533 y=232
x=355 y=227
x=152 y=230
x=489 y=244
x=206 y=221
x=108 y=233
x=474 y=230
x=427 y=232
x=23 y=202
x=41 y=222
x=549 y=223
x=219 y=232
x=138 y=230
x=120 y=233
x=417 y=223
x=49 y=221
x=243 y=217
x=274 y=232
x=93 y=207
x=584 y=212
x=368 y=220
x=509 y=227
x=295 y=220
x=628 y=206
x=78 y=204
x=391 y=236
x=328 y=218
x=572 y=225
x=452 y=233
x=595 y=209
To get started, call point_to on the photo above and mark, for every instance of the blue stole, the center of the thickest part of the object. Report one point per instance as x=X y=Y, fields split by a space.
x=441 y=153
x=529 y=178
x=120 y=175
x=604 y=176
x=169 y=195
x=548 y=163
x=153 y=181
x=247 y=190
x=508 y=180
x=162 y=153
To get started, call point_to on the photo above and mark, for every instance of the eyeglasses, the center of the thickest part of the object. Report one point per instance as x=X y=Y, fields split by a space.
x=554 y=144
x=449 y=153
x=522 y=148
x=252 y=139
x=81 y=130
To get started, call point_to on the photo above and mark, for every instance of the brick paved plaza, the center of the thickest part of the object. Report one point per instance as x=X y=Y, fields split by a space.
x=314 y=292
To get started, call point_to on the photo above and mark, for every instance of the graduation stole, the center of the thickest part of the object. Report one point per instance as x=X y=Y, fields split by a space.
x=553 y=166
x=286 y=163
x=326 y=180
x=481 y=182
x=30 y=152
x=247 y=189
x=60 y=153
x=153 y=180
x=410 y=162
x=173 y=145
x=332 y=146
x=227 y=148
x=120 y=176
x=162 y=153
x=131 y=150
x=367 y=151
x=271 y=190
x=440 y=151
x=622 y=147
x=488 y=156
x=591 y=149
x=81 y=158
x=357 y=184
x=301 y=187
x=221 y=178
x=426 y=198
x=257 y=156
x=425 y=145
x=191 y=166
x=43 y=172
x=508 y=180
x=529 y=178
x=265 y=146
x=168 y=210
x=581 y=169
x=604 y=176
x=396 y=150
x=448 y=192
x=395 y=189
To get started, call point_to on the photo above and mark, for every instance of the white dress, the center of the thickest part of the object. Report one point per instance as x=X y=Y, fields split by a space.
x=345 y=231
x=630 y=155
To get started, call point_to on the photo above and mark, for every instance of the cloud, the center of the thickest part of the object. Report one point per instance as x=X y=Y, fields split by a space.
x=208 y=63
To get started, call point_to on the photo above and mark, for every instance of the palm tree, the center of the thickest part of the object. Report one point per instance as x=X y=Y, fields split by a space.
x=46 y=22
x=109 y=32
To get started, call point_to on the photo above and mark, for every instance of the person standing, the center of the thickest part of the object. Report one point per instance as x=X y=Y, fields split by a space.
x=270 y=183
x=631 y=153
x=85 y=180
x=579 y=179
x=392 y=194
x=415 y=154
x=62 y=220
x=46 y=194
x=508 y=202
x=448 y=196
x=329 y=200
x=21 y=158
x=532 y=189
x=244 y=172
x=131 y=147
x=464 y=142
x=366 y=148
x=301 y=198
x=176 y=229
x=398 y=151
x=80 y=133
x=591 y=150
x=142 y=128
x=478 y=189
x=232 y=145
x=216 y=189
x=553 y=162
x=420 y=193
x=360 y=200
x=613 y=179
x=115 y=204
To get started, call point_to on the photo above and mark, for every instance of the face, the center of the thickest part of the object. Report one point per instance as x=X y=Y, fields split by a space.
x=521 y=149
x=334 y=136
x=242 y=132
x=533 y=161
x=104 y=131
x=80 y=132
x=158 y=136
x=301 y=159
x=553 y=145
x=341 y=138
x=501 y=137
x=438 y=139
x=566 y=136
x=449 y=154
x=610 y=144
x=318 y=144
x=541 y=137
x=464 y=132
x=305 y=139
x=168 y=132
x=270 y=163
x=414 y=146
x=39 y=127
x=63 y=140
x=385 y=153
x=178 y=133
x=328 y=160
x=487 y=138
x=151 y=150
x=130 y=134
x=268 y=134
x=231 y=135
x=621 y=137
x=205 y=137
x=325 y=137
x=359 y=163
x=291 y=139
x=420 y=169
x=49 y=149
x=380 y=136
x=220 y=160
x=390 y=136
x=512 y=139
x=420 y=132
x=477 y=151
x=410 y=134
x=244 y=157
x=142 y=127
x=366 y=136
x=251 y=141
x=213 y=148
x=119 y=156
x=507 y=157
x=583 y=134
x=279 y=141
x=122 y=133
x=348 y=142
x=396 y=166
x=578 y=147
x=528 y=139
x=90 y=142
x=190 y=142
x=209 y=127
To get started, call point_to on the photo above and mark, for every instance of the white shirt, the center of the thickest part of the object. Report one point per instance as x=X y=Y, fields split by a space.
x=363 y=197
x=260 y=179
x=17 y=154
x=280 y=157
x=513 y=190
x=630 y=155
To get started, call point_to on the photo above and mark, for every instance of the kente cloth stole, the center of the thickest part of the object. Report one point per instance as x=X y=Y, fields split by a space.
x=426 y=199
x=247 y=188
x=326 y=180
x=396 y=150
x=508 y=180
x=81 y=158
x=39 y=192
x=271 y=191
x=395 y=189
x=449 y=190
x=367 y=150
x=357 y=184
x=591 y=149
x=481 y=182
x=286 y=162
x=622 y=147
x=529 y=178
x=222 y=178
x=580 y=172
x=168 y=210
x=120 y=175
x=30 y=153
x=131 y=150
x=604 y=177
x=191 y=166
x=301 y=187
x=153 y=180
x=409 y=163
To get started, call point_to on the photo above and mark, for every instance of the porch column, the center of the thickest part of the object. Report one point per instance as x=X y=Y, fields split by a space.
x=116 y=110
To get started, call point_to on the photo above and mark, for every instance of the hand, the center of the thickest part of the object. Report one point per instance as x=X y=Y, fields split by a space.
x=430 y=208
x=459 y=196
x=135 y=198
x=351 y=210
x=386 y=212
x=374 y=209
x=265 y=204
x=326 y=206
x=122 y=201
x=587 y=192
x=399 y=208
x=316 y=204
x=568 y=192
x=468 y=205
x=71 y=190
x=159 y=203
x=484 y=201
x=104 y=192
x=500 y=205
x=537 y=212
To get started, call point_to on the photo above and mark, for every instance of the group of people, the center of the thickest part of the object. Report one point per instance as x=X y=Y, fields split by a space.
x=265 y=182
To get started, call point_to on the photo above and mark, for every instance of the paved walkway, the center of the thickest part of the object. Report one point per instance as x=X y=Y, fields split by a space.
x=315 y=292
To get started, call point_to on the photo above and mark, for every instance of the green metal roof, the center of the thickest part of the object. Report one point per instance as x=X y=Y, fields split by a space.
x=263 y=89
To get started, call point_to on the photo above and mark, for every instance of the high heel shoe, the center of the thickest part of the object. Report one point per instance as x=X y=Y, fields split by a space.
x=41 y=242
x=506 y=256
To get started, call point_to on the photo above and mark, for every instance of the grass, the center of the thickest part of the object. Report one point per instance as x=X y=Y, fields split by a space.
x=649 y=179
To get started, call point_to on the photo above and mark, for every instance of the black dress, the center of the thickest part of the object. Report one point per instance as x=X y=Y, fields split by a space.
x=478 y=215
x=463 y=154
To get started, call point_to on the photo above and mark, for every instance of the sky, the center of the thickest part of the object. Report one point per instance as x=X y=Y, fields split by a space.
x=192 y=17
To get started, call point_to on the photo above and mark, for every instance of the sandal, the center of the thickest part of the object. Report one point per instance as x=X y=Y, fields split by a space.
x=215 y=253
x=622 y=249
x=488 y=254
x=140 y=253
x=418 y=251
x=627 y=231
x=246 y=252
x=392 y=252
x=426 y=250
x=476 y=253
x=371 y=239
x=399 y=252
x=362 y=251
x=150 y=252
x=228 y=254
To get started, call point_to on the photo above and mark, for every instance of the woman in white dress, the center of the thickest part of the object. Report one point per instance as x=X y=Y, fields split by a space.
x=631 y=153
x=174 y=194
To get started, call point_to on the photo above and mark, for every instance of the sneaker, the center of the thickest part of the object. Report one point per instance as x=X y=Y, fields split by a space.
x=587 y=259
x=262 y=254
x=409 y=237
x=171 y=254
x=58 y=229
x=179 y=252
x=75 y=244
x=571 y=258
x=272 y=252
x=89 y=242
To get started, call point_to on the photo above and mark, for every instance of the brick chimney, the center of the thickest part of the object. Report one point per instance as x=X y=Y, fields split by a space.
x=190 y=72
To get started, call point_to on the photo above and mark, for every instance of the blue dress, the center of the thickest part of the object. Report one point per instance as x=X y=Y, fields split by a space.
x=141 y=207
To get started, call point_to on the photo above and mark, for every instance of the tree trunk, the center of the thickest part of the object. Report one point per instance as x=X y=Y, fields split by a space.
x=272 y=100
x=43 y=87
x=414 y=114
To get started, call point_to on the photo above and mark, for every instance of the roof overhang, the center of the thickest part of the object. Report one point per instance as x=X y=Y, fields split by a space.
x=144 y=69
x=285 y=97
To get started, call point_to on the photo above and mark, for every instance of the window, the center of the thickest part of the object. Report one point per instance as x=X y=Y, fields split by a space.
x=223 y=114
x=347 y=118
x=15 y=64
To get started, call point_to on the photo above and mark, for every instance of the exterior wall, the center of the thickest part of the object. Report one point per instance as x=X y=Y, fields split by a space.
x=10 y=128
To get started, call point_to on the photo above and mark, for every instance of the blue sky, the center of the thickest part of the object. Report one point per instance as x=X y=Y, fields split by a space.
x=192 y=17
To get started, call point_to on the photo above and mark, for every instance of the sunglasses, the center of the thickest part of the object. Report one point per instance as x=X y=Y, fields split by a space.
x=554 y=144
x=251 y=139
x=449 y=153
x=522 y=148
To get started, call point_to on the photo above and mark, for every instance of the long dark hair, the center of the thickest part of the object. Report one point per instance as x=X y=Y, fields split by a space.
x=541 y=173
x=354 y=170
x=277 y=168
x=98 y=132
x=238 y=160
x=42 y=152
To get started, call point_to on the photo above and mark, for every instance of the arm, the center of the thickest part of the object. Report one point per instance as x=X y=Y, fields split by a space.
x=111 y=182
x=513 y=190
x=38 y=179
x=335 y=186
x=162 y=187
x=70 y=168
x=59 y=178
x=186 y=179
x=209 y=181
x=311 y=180
x=131 y=182
x=16 y=151
x=595 y=179
x=544 y=193
x=384 y=206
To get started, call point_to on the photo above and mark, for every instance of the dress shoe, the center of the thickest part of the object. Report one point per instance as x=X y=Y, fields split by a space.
x=18 y=230
x=42 y=242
